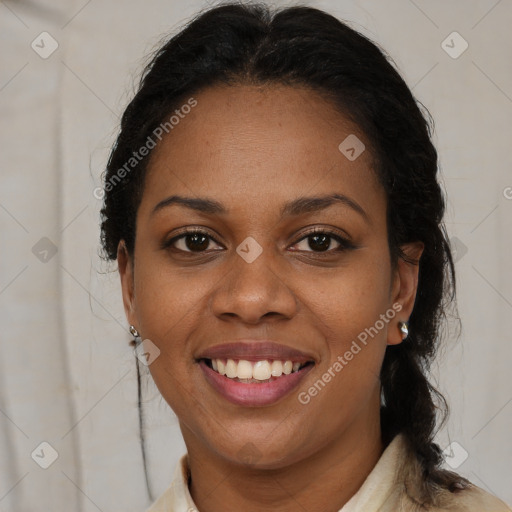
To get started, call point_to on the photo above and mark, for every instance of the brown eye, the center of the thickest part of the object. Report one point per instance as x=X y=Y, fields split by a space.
x=190 y=241
x=196 y=242
x=321 y=241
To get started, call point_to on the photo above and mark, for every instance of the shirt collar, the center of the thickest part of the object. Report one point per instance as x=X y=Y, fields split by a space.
x=177 y=496
x=374 y=492
x=380 y=483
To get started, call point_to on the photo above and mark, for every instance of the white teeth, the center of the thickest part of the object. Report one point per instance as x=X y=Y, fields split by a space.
x=259 y=370
x=244 y=370
x=276 y=369
x=231 y=369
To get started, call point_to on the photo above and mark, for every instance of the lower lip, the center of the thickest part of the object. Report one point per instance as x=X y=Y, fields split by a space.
x=253 y=394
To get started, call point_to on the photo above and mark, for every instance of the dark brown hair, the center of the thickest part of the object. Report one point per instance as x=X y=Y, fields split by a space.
x=247 y=43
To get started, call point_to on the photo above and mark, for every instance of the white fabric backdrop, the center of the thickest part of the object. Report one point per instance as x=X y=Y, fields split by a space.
x=67 y=374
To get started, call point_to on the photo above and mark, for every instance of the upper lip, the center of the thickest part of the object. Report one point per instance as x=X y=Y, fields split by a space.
x=251 y=350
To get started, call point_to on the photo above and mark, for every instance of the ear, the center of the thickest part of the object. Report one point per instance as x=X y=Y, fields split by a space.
x=404 y=287
x=125 y=267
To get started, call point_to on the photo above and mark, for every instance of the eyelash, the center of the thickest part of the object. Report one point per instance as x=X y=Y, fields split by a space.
x=344 y=243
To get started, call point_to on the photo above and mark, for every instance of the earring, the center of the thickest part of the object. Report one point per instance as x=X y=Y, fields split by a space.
x=404 y=329
x=134 y=332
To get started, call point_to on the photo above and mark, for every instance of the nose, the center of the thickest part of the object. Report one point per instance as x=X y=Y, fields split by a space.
x=253 y=290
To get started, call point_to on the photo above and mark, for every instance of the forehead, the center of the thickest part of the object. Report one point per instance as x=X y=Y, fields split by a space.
x=248 y=142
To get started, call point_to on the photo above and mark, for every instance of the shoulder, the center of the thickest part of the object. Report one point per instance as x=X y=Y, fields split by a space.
x=473 y=498
x=418 y=495
x=469 y=499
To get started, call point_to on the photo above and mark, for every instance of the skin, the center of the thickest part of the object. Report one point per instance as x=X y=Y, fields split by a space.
x=252 y=149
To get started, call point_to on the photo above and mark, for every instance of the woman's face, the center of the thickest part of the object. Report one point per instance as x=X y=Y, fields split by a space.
x=266 y=159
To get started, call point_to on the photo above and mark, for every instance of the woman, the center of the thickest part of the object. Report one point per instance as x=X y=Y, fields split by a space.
x=273 y=206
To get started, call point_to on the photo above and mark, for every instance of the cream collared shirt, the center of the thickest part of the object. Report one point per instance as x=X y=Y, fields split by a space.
x=392 y=486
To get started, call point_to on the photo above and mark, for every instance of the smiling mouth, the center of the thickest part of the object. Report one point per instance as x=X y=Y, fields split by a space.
x=249 y=372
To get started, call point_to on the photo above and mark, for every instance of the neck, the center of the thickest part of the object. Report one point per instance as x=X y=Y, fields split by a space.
x=325 y=481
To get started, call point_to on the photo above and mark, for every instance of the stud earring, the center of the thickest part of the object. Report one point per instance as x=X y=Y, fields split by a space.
x=134 y=332
x=404 y=329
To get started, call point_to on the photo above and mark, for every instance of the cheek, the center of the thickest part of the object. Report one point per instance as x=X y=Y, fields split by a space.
x=351 y=310
x=167 y=309
x=166 y=301
x=350 y=299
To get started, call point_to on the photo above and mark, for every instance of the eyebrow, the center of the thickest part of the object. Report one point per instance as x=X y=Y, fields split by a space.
x=296 y=207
